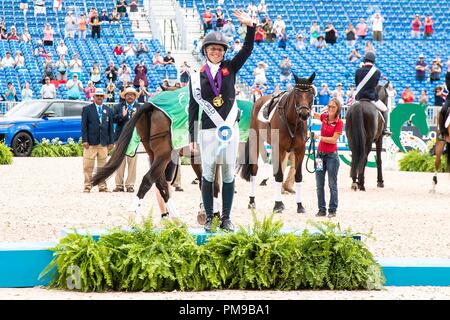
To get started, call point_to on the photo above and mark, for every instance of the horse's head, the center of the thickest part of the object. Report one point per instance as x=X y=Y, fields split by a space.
x=382 y=92
x=304 y=93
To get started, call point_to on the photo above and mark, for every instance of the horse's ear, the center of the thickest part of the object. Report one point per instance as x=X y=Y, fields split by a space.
x=312 y=77
x=386 y=85
x=297 y=79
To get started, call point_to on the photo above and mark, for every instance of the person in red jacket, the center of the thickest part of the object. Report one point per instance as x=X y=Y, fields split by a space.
x=428 y=32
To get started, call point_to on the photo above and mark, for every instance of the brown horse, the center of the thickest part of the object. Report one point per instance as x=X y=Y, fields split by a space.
x=286 y=131
x=439 y=151
x=363 y=126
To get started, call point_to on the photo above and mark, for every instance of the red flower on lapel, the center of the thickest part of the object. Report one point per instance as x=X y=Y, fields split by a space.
x=225 y=72
x=202 y=69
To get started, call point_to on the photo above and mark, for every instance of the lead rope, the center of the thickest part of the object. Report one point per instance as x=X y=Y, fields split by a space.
x=312 y=146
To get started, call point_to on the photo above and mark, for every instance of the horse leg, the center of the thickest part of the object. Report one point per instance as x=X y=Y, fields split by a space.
x=278 y=175
x=254 y=149
x=163 y=188
x=299 y=155
x=361 y=177
x=379 y=146
x=437 y=163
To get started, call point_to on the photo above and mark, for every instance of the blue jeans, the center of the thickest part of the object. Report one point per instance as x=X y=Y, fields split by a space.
x=330 y=164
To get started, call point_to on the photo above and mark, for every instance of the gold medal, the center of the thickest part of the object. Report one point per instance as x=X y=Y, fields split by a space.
x=218 y=101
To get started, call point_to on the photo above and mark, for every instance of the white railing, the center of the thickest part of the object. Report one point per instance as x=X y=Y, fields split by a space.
x=180 y=20
x=156 y=31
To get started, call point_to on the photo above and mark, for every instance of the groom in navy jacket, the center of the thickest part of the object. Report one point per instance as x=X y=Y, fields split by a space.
x=98 y=137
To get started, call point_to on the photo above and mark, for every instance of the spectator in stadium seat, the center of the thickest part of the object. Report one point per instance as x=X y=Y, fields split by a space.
x=129 y=50
x=207 y=20
x=40 y=50
x=350 y=95
x=314 y=33
x=96 y=26
x=140 y=71
x=70 y=25
x=377 y=27
x=74 y=88
x=115 y=16
x=19 y=61
x=61 y=69
x=134 y=6
x=237 y=46
x=91 y=13
x=269 y=31
x=408 y=95
x=48 y=35
x=354 y=55
x=259 y=34
x=242 y=31
x=229 y=30
x=26 y=37
x=423 y=99
x=252 y=9
x=279 y=25
x=8 y=61
x=118 y=50
x=3 y=35
x=283 y=39
x=421 y=68
x=104 y=19
x=95 y=74
x=39 y=7
x=262 y=8
x=49 y=68
x=48 y=90
x=350 y=35
x=220 y=19
x=320 y=44
x=260 y=73
x=168 y=59
x=339 y=94
x=82 y=22
x=110 y=92
x=111 y=72
x=89 y=91
x=331 y=34
x=10 y=93
x=27 y=93
x=185 y=72
x=143 y=92
x=285 y=69
x=415 y=27
x=121 y=7
x=435 y=71
x=157 y=59
x=258 y=91
x=438 y=99
x=142 y=49
x=57 y=5
x=361 y=29
x=299 y=41
x=76 y=66
x=62 y=49
x=13 y=36
x=369 y=47
x=392 y=93
x=428 y=27
x=24 y=6
x=124 y=72
x=125 y=84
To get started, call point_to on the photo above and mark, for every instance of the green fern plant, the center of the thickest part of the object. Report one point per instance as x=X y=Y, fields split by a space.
x=420 y=162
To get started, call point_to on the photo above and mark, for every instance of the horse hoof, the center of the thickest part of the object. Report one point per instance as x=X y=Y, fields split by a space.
x=380 y=184
x=201 y=217
x=278 y=207
x=362 y=188
x=252 y=205
x=300 y=208
x=435 y=180
x=354 y=187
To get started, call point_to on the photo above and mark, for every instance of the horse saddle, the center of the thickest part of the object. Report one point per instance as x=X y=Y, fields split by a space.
x=268 y=109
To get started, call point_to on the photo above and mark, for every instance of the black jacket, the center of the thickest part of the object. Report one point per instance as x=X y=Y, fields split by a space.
x=368 y=91
x=120 y=120
x=92 y=131
x=229 y=69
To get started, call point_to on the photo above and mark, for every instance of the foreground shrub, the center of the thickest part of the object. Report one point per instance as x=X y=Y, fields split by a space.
x=420 y=162
x=6 y=156
x=56 y=148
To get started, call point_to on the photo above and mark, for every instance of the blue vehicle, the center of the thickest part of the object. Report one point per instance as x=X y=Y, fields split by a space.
x=31 y=121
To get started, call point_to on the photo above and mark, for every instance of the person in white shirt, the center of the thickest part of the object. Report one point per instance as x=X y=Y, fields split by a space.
x=76 y=65
x=339 y=94
x=237 y=46
x=39 y=7
x=48 y=90
x=279 y=25
x=377 y=27
x=27 y=94
x=124 y=72
x=130 y=50
x=8 y=61
x=229 y=30
x=62 y=48
x=20 y=60
x=260 y=73
x=391 y=96
x=70 y=23
x=61 y=69
x=262 y=8
x=252 y=10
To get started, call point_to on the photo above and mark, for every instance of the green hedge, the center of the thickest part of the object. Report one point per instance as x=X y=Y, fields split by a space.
x=55 y=148
x=6 y=156
x=261 y=257
x=421 y=162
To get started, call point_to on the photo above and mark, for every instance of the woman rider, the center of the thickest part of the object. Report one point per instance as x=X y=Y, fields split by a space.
x=212 y=90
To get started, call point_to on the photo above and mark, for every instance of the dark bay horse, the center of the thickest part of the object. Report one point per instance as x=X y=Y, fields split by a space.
x=439 y=151
x=363 y=126
x=286 y=131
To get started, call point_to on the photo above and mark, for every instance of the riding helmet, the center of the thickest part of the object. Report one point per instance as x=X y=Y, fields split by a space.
x=370 y=56
x=214 y=37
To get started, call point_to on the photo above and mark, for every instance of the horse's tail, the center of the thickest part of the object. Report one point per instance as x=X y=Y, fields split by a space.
x=246 y=167
x=121 y=147
x=358 y=135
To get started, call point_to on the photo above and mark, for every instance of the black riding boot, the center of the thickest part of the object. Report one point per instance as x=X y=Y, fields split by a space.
x=207 y=197
x=386 y=132
x=227 y=203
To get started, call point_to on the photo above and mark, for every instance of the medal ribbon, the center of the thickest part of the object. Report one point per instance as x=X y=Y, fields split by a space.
x=217 y=89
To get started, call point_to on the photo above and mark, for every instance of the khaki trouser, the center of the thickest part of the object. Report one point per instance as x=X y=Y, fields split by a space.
x=101 y=153
x=131 y=177
x=177 y=182
x=289 y=182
